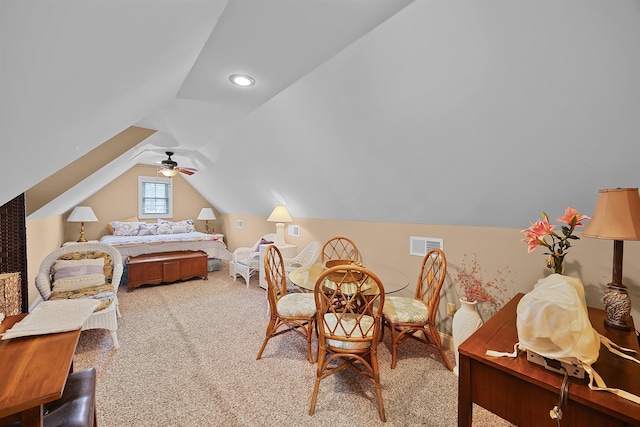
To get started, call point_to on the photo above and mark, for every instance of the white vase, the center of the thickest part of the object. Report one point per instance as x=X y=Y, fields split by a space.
x=465 y=322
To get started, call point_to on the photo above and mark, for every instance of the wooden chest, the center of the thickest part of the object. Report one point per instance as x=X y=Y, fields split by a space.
x=165 y=267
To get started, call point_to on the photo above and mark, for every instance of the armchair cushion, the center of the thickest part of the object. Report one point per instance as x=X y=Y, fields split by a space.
x=405 y=310
x=297 y=305
x=105 y=293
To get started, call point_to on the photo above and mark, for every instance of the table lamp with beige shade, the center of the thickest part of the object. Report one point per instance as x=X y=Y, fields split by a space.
x=616 y=217
x=280 y=215
x=82 y=214
x=207 y=214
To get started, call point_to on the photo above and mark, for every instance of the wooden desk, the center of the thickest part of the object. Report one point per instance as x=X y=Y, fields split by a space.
x=523 y=393
x=34 y=372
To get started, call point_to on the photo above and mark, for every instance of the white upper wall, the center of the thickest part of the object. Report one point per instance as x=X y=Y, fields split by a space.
x=467 y=112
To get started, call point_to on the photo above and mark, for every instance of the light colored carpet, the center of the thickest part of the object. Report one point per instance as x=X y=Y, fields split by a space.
x=187 y=358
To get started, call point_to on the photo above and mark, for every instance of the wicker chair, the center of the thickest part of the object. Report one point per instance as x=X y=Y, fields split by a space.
x=340 y=248
x=246 y=261
x=348 y=319
x=305 y=258
x=293 y=311
x=102 y=319
x=406 y=316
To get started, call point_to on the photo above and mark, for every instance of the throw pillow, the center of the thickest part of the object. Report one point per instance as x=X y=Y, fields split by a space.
x=132 y=219
x=71 y=275
x=147 y=229
x=121 y=228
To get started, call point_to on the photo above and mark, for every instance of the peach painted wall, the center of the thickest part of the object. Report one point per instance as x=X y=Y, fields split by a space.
x=119 y=200
x=496 y=249
x=43 y=237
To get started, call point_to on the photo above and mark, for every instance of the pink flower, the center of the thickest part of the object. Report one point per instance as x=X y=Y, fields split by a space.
x=536 y=235
x=572 y=217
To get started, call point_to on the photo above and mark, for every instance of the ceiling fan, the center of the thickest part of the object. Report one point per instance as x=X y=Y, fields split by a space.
x=169 y=167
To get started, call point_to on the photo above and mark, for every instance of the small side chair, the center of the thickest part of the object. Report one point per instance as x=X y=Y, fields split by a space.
x=289 y=312
x=406 y=316
x=340 y=248
x=349 y=320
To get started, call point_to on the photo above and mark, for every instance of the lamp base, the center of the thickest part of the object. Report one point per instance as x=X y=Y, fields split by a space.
x=617 y=306
x=280 y=234
x=82 y=239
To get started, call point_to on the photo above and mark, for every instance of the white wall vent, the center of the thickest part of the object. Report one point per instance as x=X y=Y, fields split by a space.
x=294 y=230
x=239 y=223
x=421 y=245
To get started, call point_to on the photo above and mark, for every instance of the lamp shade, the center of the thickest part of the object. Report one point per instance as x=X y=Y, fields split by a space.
x=280 y=214
x=82 y=214
x=206 y=214
x=616 y=216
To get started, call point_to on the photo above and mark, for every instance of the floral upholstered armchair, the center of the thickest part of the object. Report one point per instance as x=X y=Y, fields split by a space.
x=85 y=270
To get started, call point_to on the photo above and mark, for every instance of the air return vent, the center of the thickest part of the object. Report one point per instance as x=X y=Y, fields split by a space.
x=421 y=245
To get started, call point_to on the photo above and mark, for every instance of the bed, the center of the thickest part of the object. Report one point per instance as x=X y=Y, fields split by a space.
x=128 y=246
x=133 y=238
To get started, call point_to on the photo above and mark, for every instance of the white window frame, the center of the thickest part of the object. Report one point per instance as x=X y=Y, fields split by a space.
x=157 y=180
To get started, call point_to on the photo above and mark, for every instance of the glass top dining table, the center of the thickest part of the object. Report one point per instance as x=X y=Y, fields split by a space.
x=393 y=280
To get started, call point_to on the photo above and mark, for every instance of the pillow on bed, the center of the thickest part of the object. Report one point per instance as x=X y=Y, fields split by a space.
x=132 y=219
x=185 y=226
x=163 y=229
x=70 y=275
x=147 y=229
x=121 y=228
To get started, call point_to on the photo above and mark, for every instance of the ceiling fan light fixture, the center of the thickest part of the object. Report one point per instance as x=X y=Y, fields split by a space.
x=168 y=172
x=242 y=80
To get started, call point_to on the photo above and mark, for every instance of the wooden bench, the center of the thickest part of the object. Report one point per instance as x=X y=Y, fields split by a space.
x=165 y=267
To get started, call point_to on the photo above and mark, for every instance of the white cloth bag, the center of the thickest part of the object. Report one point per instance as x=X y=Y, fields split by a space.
x=553 y=321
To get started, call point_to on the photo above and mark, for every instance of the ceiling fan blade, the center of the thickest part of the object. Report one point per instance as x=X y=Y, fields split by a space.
x=187 y=171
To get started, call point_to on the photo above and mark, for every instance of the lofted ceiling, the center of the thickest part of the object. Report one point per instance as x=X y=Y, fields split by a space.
x=468 y=113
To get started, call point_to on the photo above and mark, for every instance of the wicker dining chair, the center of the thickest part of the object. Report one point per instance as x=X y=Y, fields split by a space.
x=293 y=311
x=340 y=248
x=348 y=320
x=405 y=316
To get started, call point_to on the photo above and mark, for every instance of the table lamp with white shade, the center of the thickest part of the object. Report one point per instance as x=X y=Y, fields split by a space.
x=82 y=214
x=280 y=215
x=207 y=214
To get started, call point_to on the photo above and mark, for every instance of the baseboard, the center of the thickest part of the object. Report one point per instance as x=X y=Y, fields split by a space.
x=447 y=341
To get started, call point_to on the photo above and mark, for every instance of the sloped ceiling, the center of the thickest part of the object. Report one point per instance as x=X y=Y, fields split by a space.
x=467 y=112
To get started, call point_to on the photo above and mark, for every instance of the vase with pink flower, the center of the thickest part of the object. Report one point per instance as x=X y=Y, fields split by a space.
x=541 y=233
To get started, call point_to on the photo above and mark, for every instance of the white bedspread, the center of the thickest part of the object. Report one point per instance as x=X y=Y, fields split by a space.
x=212 y=244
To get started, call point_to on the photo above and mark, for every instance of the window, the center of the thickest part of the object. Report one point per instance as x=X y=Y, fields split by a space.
x=155 y=197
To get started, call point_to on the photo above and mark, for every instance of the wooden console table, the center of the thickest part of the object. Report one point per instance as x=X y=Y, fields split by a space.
x=34 y=372
x=165 y=267
x=522 y=392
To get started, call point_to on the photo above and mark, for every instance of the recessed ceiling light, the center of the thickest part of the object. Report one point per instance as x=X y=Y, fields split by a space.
x=242 y=80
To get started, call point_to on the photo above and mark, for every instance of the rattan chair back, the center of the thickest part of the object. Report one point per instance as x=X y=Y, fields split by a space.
x=349 y=321
x=340 y=247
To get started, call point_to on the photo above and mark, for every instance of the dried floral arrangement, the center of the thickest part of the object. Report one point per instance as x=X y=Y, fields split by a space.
x=469 y=280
